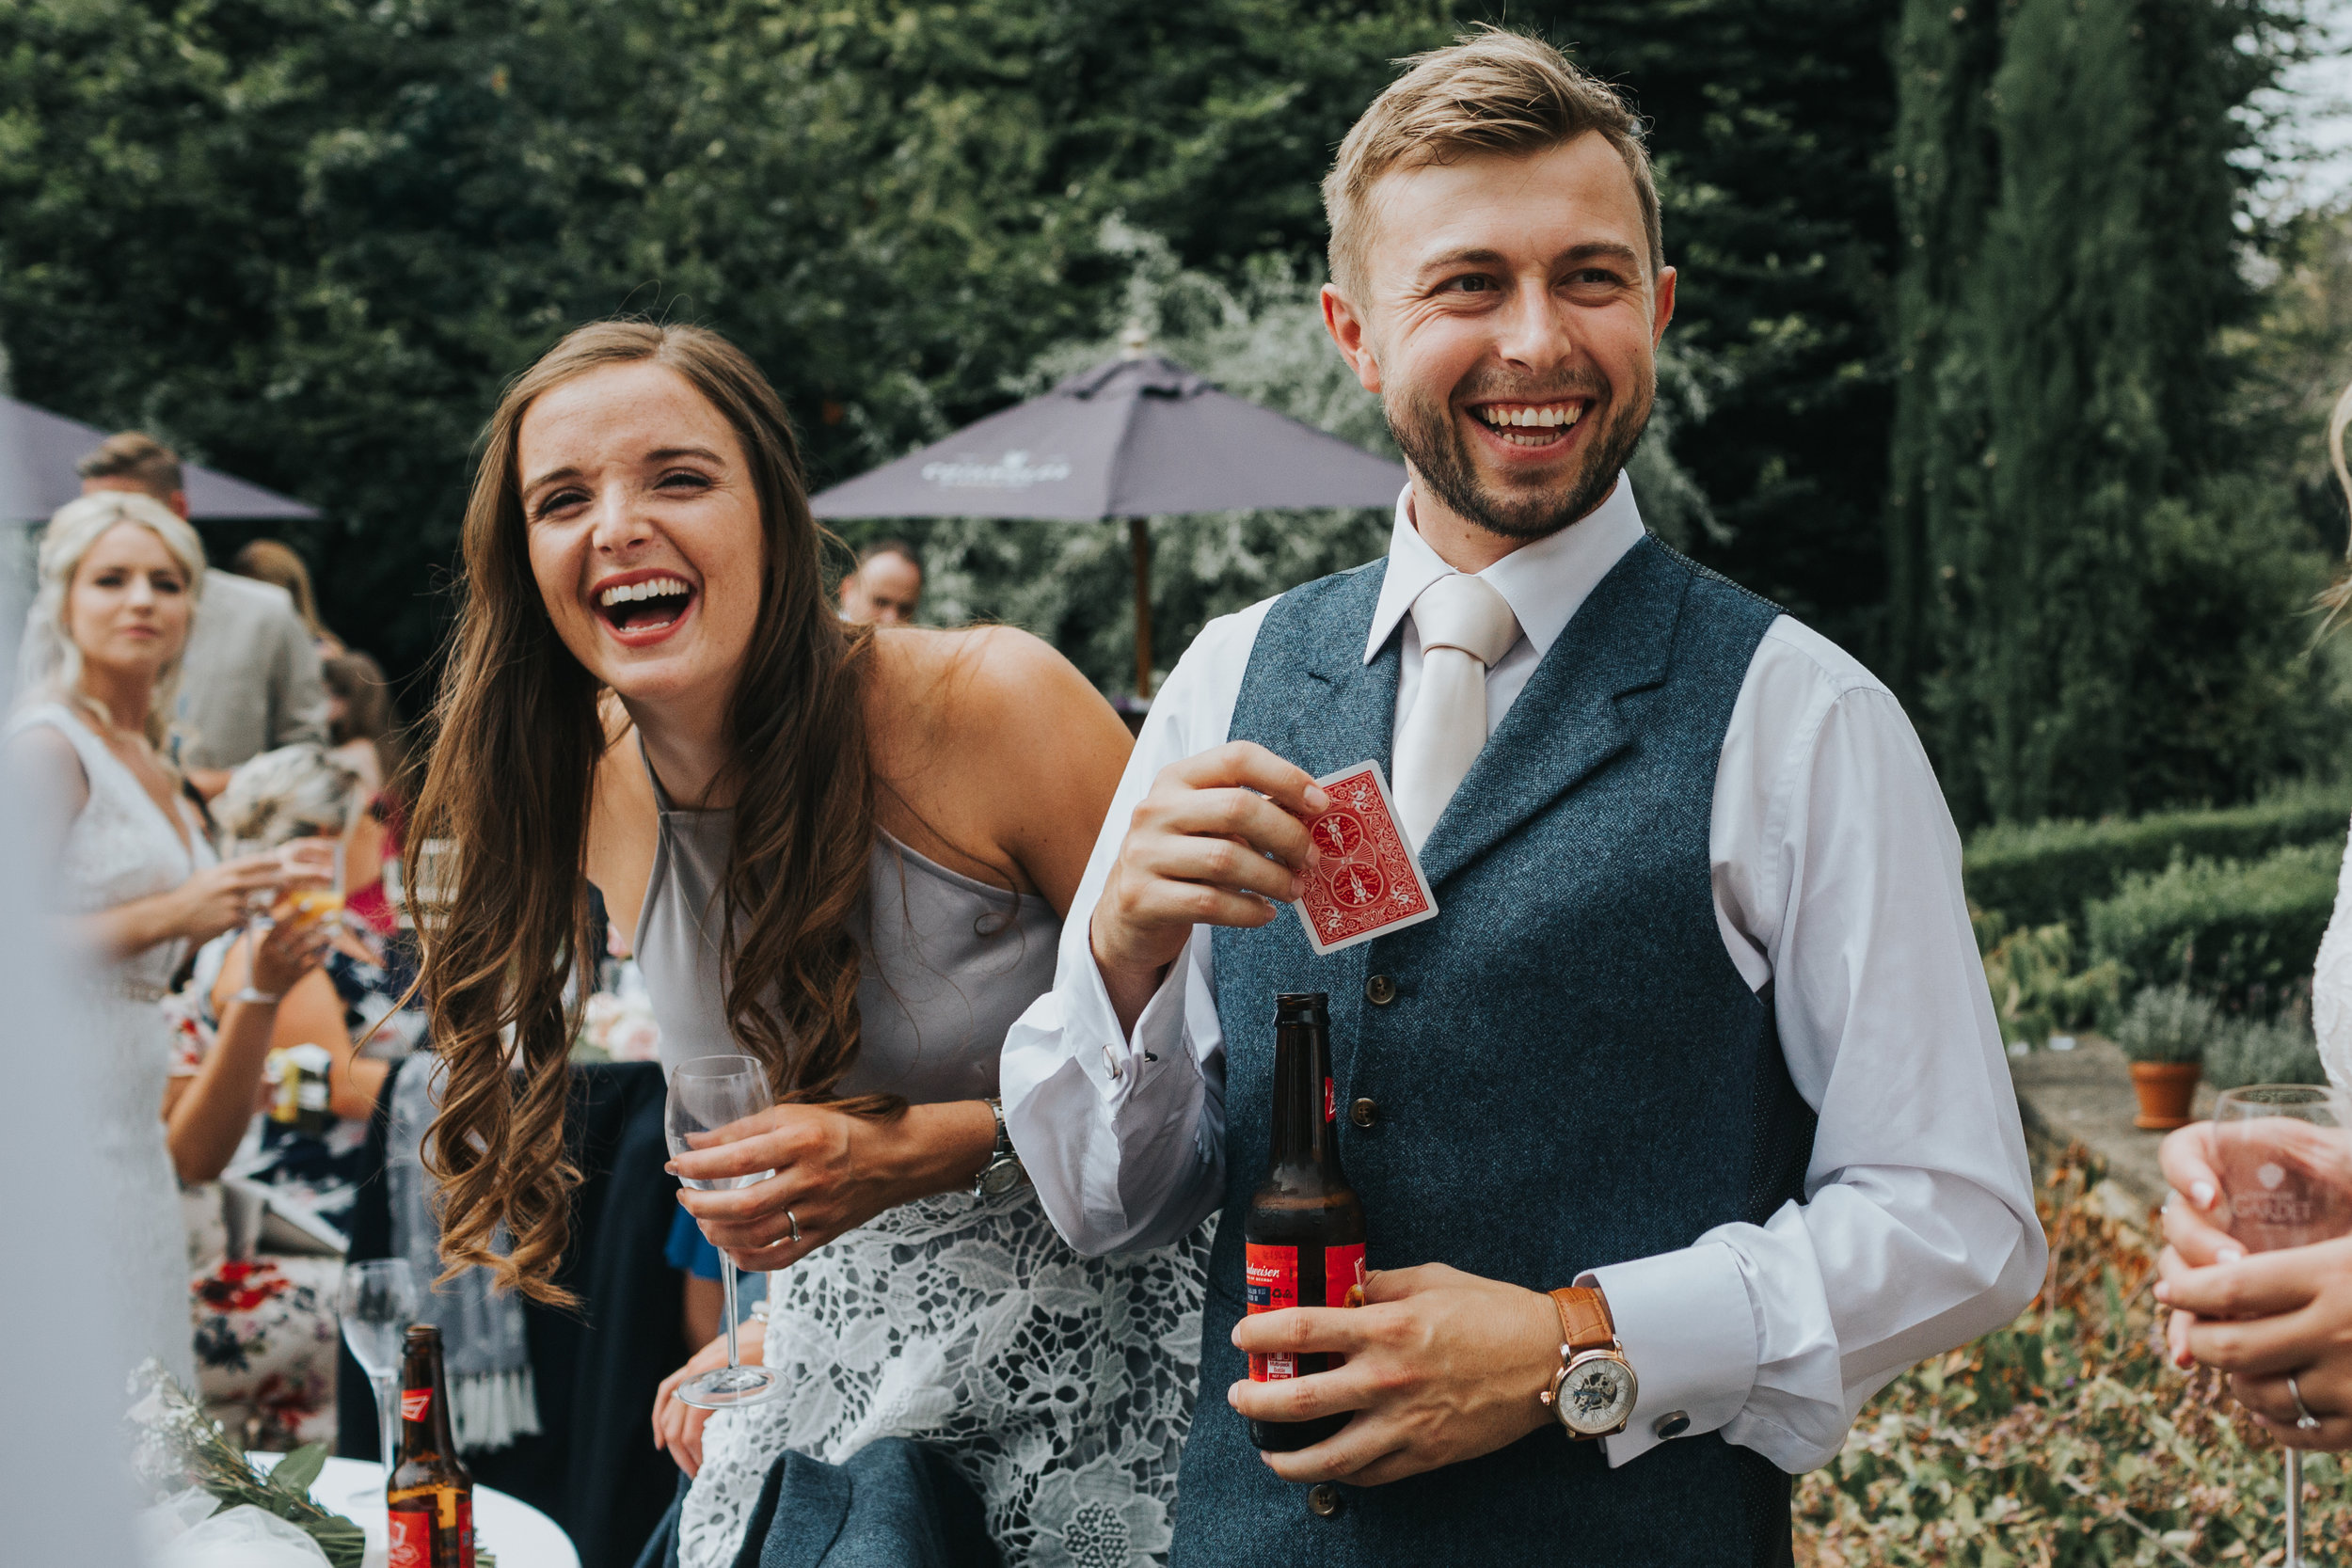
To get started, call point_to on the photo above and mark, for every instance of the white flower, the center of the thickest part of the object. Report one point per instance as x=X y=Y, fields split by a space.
x=1096 y=1518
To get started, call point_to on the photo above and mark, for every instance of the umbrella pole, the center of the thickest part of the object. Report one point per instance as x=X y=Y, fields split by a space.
x=1139 y=540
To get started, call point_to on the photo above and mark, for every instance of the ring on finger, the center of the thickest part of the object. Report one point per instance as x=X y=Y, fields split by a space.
x=794 y=1224
x=2304 y=1419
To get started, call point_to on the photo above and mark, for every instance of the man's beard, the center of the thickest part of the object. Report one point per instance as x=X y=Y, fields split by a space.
x=1439 y=450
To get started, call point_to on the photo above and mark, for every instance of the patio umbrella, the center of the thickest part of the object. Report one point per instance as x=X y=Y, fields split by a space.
x=37 y=451
x=1132 y=438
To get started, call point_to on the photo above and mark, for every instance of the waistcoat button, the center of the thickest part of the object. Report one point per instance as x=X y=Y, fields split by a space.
x=1380 y=990
x=1323 y=1500
x=1363 y=1112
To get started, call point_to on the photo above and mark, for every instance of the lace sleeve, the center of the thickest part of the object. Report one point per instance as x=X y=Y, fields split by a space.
x=2331 y=986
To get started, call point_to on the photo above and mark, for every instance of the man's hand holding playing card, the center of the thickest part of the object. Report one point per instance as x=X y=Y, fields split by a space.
x=1196 y=854
x=1441 y=1365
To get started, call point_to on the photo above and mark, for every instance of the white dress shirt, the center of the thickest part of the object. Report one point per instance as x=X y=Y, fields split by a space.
x=1837 y=875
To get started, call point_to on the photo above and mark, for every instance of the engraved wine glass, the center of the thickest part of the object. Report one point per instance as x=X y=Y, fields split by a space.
x=708 y=1097
x=2283 y=1152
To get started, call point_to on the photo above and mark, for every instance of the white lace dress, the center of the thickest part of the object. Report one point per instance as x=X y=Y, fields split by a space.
x=2331 y=986
x=120 y=848
x=1060 y=1385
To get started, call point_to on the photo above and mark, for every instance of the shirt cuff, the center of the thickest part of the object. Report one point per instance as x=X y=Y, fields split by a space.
x=1121 y=1062
x=1686 y=1326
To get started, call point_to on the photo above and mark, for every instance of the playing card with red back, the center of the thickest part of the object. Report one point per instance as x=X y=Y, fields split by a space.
x=1369 y=881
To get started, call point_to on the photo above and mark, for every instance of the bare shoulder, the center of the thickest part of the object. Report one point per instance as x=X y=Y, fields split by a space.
x=997 y=740
x=42 y=760
x=982 y=689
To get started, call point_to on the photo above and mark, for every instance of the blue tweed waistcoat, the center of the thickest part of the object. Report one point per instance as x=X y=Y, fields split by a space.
x=1567 y=1072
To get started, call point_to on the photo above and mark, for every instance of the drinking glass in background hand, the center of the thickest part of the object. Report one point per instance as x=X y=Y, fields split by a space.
x=2283 y=1152
x=708 y=1096
x=262 y=900
x=377 y=1303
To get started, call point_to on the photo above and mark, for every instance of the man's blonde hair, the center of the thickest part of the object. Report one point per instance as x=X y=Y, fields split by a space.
x=1492 y=91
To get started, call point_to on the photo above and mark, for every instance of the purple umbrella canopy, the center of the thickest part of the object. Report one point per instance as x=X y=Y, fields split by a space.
x=39 y=449
x=1137 y=437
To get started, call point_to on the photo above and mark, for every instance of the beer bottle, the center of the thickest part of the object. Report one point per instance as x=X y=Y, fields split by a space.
x=1304 y=1236
x=430 y=1495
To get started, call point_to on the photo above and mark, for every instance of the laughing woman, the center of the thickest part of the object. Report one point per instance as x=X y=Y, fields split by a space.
x=844 y=850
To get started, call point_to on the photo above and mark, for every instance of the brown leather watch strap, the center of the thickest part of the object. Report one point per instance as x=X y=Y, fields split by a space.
x=1583 y=1318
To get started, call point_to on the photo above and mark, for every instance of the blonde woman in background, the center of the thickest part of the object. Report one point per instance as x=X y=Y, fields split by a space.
x=120 y=576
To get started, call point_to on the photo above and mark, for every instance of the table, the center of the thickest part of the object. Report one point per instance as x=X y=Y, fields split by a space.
x=520 y=1536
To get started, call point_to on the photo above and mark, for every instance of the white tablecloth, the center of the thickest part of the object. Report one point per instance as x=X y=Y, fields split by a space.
x=520 y=1536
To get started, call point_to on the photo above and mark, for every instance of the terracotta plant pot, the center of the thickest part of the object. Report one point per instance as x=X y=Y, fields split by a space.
x=2166 y=1089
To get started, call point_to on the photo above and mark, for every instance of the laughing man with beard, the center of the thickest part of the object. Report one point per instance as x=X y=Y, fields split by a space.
x=1695 y=1074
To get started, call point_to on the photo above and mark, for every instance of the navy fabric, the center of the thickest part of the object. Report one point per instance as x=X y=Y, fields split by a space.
x=689 y=1251
x=1571 y=1071
x=895 y=1504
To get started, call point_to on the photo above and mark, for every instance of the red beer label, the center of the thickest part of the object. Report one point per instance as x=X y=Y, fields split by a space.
x=414 y=1402
x=1344 y=1277
x=1343 y=1286
x=412 y=1540
x=1270 y=1274
x=412 y=1533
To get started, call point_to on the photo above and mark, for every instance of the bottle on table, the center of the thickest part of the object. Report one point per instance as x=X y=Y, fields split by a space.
x=1304 y=1235
x=429 y=1496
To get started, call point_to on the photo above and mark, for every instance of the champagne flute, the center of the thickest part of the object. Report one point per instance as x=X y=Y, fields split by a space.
x=377 y=1303
x=2284 y=1156
x=708 y=1094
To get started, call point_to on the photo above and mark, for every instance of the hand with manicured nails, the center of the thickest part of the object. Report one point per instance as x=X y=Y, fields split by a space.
x=1442 y=1367
x=2258 y=1318
x=833 y=1171
x=1196 y=854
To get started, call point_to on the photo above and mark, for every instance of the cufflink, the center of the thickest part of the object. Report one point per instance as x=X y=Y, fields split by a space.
x=1111 y=1064
x=1674 y=1424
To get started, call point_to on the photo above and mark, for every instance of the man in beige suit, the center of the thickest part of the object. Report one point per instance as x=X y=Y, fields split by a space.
x=250 y=681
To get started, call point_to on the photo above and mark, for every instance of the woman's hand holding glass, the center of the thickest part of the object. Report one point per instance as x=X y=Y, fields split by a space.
x=2258 y=1317
x=833 y=1171
x=294 y=944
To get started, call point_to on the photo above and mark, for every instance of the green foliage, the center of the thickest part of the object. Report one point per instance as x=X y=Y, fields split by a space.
x=308 y=242
x=2037 y=991
x=2095 y=608
x=2064 y=1440
x=2241 y=932
x=2264 y=1051
x=2051 y=871
x=2167 y=1023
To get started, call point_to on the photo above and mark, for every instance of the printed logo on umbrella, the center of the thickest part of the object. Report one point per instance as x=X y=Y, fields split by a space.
x=1015 y=471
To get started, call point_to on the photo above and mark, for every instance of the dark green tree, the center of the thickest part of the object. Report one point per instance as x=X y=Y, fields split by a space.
x=2085 y=598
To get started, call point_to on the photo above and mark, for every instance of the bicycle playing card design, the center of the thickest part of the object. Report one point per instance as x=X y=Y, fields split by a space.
x=1369 y=881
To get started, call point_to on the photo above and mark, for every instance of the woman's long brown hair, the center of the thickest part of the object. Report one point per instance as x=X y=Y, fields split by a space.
x=516 y=746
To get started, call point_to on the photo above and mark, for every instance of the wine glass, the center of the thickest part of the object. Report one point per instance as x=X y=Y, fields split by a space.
x=2284 y=1156
x=708 y=1096
x=259 y=902
x=377 y=1303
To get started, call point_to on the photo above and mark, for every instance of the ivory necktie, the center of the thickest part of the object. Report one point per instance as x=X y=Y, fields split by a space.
x=1465 y=626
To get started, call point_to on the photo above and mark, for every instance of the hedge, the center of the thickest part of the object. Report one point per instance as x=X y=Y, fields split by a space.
x=2244 y=933
x=2054 y=870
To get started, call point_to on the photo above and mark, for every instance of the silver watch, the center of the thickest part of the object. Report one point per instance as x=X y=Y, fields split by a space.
x=1003 y=1171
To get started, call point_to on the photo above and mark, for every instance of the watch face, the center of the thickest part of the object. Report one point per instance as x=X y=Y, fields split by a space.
x=1596 y=1395
x=1001 y=1178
